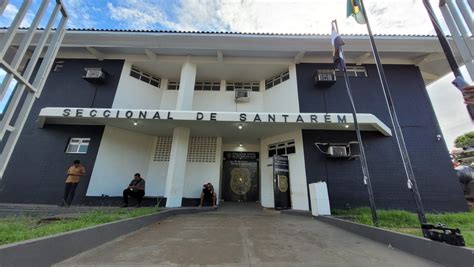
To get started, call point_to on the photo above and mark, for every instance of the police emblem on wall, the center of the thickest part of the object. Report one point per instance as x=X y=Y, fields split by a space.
x=240 y=176
x=283 y=183
x=240 y=182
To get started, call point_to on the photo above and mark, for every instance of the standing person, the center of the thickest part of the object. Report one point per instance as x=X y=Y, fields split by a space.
x=136 y=189
x=74 y=174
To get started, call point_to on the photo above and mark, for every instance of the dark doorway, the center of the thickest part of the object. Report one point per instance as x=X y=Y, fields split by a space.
x=240 y=176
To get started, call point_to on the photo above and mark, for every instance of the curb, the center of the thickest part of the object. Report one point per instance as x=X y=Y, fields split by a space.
x=442 y=253
x=304 y=213
x=48 y=250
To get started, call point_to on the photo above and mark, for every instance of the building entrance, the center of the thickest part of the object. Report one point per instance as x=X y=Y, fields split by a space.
x=240 y=176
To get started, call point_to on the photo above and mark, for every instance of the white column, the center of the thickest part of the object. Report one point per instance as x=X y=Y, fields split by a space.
x=223 y=86
x=186 y=86
x=179 y=147
x=177 y=167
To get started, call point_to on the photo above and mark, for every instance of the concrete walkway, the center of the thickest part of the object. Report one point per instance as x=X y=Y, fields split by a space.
x=243 y=235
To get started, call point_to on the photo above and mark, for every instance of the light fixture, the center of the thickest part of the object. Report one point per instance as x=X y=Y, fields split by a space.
x=241 y=145
x=439 y=137
x=240 y=126
x=347 y=126
x=135 y=123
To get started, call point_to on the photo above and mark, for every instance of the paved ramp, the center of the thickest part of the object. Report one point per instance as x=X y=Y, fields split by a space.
x=244 y=236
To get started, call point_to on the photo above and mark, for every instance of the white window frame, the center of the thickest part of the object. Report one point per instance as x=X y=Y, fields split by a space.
x=152 y=80
x=282 y=145
x=252 y=86
x=275 y=80
x=79 y=142
x=213 y=85
x=355 y=72
x=175 y=84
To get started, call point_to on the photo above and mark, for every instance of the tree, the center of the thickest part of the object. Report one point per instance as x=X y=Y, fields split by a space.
x=465 y=140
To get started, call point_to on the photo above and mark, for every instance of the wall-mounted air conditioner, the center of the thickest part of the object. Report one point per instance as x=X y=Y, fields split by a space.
x=337 y=151
x=348 y=150
x=324 y=78
x=242 y=95
x=94 y=75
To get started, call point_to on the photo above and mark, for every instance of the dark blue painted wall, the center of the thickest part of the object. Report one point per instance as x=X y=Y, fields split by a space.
x=37 y=169
x=437 y=182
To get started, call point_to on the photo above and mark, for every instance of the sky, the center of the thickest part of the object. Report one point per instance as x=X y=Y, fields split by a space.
x=275 y=16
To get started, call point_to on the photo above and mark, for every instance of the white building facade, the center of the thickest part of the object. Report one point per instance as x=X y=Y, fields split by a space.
x=184 y=109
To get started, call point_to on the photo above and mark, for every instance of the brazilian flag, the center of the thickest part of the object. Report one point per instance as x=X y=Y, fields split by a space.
x=355 y=9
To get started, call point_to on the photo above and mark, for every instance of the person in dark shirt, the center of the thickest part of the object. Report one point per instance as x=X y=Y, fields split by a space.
x=136 y=190
x=208 y=195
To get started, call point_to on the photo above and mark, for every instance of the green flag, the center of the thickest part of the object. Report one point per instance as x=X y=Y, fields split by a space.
x=354 y=8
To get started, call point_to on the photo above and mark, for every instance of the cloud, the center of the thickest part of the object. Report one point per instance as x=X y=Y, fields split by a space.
x=83 y=14
x=206 y=15
x=136 y=14
x=276 y=16
x=9 y=14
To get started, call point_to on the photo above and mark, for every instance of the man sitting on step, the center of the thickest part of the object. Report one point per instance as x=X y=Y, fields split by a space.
x=136 y=189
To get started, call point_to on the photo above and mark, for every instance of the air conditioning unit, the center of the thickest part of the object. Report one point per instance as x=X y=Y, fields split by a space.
x=324 y=78
x=94 y=75
x=337 y=151
x=242 y=95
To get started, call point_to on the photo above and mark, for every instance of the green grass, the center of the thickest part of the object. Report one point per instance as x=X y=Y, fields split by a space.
x=407 y=222
x=18 y=228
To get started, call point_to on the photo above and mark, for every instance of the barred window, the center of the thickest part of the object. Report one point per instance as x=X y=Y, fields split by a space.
x=202 y=149
x=207 y=86
x=162 y=148
x=173 y=85
x=145 y=77
x=283 y=148
x=254 y=86
x=277 y=80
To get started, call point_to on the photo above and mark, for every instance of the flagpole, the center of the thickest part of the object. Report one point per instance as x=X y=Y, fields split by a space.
x=411 y=181
x=363 y=159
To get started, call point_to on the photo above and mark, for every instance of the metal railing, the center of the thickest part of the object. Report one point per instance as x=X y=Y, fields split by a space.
x=18 y=106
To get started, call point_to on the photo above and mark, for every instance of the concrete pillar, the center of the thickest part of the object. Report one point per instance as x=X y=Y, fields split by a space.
x=223 y=86
x=177 y=167
x=186 y=86
x=179 y=146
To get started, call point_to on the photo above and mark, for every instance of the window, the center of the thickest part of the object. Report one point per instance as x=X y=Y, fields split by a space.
x=78 y=145
x=202 y=149
x=207 y=86
x=145 y=77
x=283 y=148
x=173 y=85
x=254 y=86
x=354 y=71
x=163 y=148
x=277 y=80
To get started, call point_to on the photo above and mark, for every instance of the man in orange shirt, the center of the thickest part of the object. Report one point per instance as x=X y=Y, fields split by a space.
x=74 y=173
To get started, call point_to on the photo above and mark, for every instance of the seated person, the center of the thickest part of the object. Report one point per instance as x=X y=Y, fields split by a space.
x=208 y=195
x=136 y=189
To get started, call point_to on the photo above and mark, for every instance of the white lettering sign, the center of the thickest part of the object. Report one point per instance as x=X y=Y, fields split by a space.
x=259 y=117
